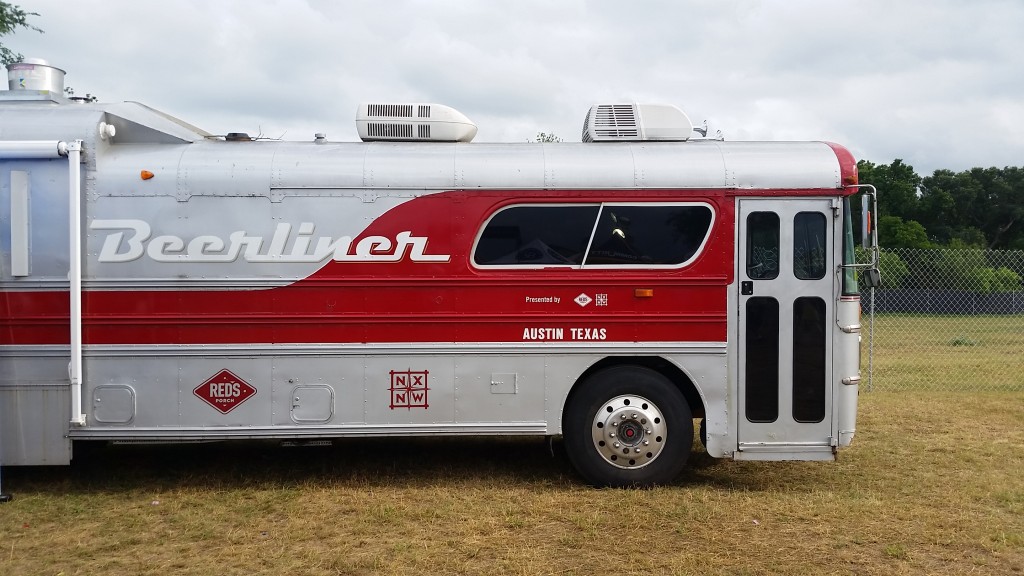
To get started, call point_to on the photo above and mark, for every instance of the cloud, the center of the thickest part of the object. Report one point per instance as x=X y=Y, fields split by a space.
x=936 y=83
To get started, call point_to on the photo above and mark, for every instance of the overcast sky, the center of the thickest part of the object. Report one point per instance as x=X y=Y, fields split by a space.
x=938 y=83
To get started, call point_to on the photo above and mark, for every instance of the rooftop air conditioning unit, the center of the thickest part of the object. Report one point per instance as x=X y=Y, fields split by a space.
x=636 y=123
x=413 y=123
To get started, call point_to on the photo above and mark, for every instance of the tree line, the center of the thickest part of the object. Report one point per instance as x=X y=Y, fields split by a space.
x=977 y=213
x=976 y=208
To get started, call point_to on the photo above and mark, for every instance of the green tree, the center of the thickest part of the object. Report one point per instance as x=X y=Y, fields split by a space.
x=894 y=232
x=963 y=268
x=11 y=18
x=1002 y=214
x=892 y=268
x=984 y=207
x=545 y=137
x=897 y=185
x=971 y=237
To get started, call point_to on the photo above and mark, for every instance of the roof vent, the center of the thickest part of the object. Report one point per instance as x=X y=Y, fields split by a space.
x=636 y=123
x=35 y=74
x=413 y=123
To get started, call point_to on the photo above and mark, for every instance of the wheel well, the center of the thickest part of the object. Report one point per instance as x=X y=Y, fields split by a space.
x=656 y=363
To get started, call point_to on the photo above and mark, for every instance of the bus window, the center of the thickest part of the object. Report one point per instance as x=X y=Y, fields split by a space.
x=762 y=364
x=649 y=235
x=809 y=359
x=537 y=235
x=763 y=245
x=618 y=235
x=809 y=245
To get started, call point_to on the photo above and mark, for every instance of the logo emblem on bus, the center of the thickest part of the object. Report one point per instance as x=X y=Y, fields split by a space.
x=583 y=300
x=224 y=391
x=131 y=239
x=409 y=389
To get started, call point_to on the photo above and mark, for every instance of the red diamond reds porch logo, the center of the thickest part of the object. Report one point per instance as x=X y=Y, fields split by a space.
x=224 y=391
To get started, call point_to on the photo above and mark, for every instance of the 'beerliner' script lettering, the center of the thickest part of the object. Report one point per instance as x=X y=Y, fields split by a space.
x=132 y=240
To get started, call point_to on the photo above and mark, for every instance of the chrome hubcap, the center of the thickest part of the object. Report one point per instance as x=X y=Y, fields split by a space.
x=629 y=431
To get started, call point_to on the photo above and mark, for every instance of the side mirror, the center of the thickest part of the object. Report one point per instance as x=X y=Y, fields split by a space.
x=872 y=278
x=868 y=209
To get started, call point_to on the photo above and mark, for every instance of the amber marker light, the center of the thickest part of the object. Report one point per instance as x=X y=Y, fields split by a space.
x=146 y=174
x=643 y=292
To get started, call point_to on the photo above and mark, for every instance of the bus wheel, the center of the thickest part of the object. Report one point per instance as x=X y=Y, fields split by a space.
x=628 y=426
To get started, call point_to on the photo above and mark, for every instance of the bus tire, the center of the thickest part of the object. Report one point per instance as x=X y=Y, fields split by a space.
x=628 y=426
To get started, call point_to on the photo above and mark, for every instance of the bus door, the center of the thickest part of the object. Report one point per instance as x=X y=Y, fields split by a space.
x=786 y=274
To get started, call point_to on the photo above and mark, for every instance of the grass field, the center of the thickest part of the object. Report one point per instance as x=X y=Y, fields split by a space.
x=933 y=485
x=930 y=352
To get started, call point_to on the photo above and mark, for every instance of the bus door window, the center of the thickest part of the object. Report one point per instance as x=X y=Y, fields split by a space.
x=809 y=245
x=763 y=245
x=762 y=365
x=809 y=322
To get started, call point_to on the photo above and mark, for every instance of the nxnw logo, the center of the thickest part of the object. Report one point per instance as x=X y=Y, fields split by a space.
x=409 y=389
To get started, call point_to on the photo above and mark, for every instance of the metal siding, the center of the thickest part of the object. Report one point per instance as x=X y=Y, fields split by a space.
x=391 y=166
x=225 y=169
x=118 y=172
x=34 y=406
x=479 y=399
x=697 y=165
x=459 y=396
x=31 y=121
x=154 y=380
x=342 y=374
x=764 y=165
x=305 y=169
x=489 y=166
x=587 y=167
x=33 y=423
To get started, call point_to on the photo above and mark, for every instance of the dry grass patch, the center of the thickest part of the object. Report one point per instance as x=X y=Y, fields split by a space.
x=948 y=352
x=934 y=484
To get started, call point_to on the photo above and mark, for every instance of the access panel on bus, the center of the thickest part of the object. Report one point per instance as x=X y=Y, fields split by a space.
x=785 y=277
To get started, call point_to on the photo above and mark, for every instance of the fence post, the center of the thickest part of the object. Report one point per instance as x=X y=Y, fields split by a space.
x=871 y=341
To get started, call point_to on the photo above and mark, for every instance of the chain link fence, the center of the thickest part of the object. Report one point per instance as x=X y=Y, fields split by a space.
x=946 y=319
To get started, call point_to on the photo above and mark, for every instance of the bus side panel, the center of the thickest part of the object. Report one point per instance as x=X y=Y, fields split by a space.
x=34 y=408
